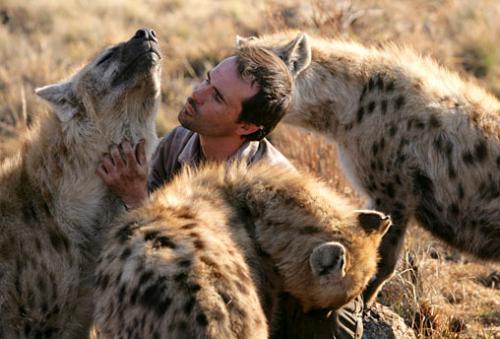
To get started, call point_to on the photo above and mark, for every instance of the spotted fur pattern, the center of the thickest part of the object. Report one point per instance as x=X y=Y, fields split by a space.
x=417 y=139
x=207 y=256
x=53 y=205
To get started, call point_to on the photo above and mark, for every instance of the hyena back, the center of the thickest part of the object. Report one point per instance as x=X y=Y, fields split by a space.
x=53 y=205
x=414 y=137
x=207 y=256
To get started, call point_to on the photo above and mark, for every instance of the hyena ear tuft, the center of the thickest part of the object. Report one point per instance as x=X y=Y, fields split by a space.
x=373 y=221
x=297 y=54
x=242 y=41
x=61 y=97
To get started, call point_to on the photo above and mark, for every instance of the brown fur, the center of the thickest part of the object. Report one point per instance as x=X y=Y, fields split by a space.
x=53 y=205
x=207 y=256
x=417 y=139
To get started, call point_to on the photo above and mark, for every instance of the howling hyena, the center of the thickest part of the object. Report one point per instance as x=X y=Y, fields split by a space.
x=207 y=256
x=418 y=140
x=53 y=205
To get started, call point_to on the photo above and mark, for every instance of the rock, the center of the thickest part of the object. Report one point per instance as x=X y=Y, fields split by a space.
x=380 y=322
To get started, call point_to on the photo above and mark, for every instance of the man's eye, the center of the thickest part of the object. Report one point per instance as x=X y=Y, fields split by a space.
x=217 y=97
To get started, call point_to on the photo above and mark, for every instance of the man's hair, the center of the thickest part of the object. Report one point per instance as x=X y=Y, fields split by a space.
x=266 y=108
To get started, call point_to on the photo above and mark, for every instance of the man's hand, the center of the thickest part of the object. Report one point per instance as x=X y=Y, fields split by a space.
x=126 y=176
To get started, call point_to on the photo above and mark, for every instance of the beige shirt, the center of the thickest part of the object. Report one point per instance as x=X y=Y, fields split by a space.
x=182 y=147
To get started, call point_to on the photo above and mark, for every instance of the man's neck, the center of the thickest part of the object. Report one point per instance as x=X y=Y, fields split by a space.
x=219 y=149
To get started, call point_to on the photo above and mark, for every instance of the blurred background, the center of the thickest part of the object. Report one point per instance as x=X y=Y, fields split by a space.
x=438 y=292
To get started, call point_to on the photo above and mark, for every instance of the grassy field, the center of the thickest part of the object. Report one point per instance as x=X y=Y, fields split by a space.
x=439 y=292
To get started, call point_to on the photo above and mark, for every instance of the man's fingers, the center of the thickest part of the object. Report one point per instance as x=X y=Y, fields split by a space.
x=129 y=153
x=140 y=151
x=117 y=157
x=102 y=173
x=108 y=164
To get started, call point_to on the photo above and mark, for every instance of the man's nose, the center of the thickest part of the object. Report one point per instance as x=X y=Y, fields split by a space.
x=200 y=93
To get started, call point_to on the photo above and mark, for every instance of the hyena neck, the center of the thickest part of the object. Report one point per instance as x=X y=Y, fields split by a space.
x=258 y=191
x=258 y=199
x=325 y=100
x=64 y=163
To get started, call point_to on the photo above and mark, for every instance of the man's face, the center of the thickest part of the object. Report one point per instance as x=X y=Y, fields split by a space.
x=215 y=104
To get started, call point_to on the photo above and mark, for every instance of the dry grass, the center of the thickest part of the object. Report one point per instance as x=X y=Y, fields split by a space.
x=439 y=292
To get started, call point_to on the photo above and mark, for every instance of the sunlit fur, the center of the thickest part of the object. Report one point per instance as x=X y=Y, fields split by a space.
x=416 y=138
x=52 y=204
x=208 y=255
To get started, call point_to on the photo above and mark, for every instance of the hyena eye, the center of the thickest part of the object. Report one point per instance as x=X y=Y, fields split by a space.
x=62 y=101
x=104 y=58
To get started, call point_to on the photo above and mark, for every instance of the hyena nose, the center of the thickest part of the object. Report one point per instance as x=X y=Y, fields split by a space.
x=146 y=34
x=328 y=259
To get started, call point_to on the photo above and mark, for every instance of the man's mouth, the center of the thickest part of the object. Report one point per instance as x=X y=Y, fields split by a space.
x=189 y=107
x=185 y=111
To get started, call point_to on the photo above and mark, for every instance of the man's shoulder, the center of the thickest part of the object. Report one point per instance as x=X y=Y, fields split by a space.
x=271 y=154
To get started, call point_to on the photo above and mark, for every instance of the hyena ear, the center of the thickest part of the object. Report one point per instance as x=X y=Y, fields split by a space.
x=297 y=54
x=373 y=221
x=61 y=97
x=242 y=41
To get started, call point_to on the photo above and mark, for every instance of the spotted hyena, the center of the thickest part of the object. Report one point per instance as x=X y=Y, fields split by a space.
x=207 y=256
x=52 y=204
x=414 y=137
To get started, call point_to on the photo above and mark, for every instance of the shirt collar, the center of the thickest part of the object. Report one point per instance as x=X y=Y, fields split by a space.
x=191 y=153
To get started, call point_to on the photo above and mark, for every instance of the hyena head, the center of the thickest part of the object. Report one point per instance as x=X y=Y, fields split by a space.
x=326 y=78
x=296 y=52
x=121 y=85
x=340 y=269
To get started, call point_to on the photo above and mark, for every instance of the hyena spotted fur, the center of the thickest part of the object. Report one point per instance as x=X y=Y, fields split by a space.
x=207 y=256
x=416 y=138
x=53 y=207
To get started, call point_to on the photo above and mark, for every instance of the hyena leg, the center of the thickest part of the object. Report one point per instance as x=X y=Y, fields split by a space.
x=389 y=252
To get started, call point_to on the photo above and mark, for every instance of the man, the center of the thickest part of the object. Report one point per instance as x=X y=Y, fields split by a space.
x=226 y=118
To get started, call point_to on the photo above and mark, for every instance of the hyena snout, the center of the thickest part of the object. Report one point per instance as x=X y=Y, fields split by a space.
x=328 y=260
x=146 y=34
x=144 y=42
x=139 y=59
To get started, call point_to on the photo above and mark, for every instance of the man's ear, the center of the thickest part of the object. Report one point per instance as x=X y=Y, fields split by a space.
x=246 y=128
x=297 y=54
x=61 y=97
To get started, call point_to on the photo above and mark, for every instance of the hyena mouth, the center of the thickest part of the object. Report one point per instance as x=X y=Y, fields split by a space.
x=146 y=59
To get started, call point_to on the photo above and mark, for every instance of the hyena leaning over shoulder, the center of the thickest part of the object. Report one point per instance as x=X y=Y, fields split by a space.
x=416 y=138
x=207 y=256
x=53 y=206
